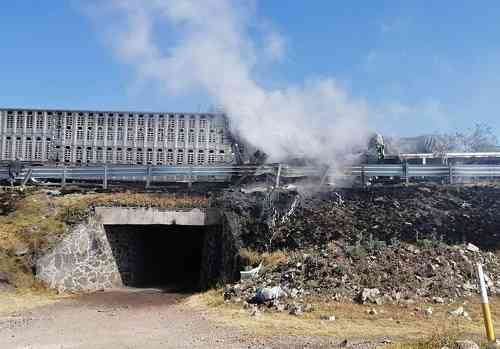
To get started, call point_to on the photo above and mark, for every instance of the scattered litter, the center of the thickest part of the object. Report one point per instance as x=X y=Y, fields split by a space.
x=472 y=248
x=438 y=300
x=370 y=295
x=267 y=294
x=295 y=309
x=244 y=275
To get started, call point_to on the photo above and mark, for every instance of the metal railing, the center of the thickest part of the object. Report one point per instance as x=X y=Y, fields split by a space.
x=190 y=174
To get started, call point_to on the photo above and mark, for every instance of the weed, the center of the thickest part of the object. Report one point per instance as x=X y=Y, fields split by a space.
x=268 y=259
x=441 y=338
x=426 y=243
x=340 y=269
x=73 y=215
x=395 y=242
x=356 y=252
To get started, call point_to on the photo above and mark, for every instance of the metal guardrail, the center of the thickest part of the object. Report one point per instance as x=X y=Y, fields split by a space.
x=225 y=173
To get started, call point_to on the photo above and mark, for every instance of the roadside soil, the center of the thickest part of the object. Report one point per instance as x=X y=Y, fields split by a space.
x=404 y=323
x=161 y=318
x=130 y=318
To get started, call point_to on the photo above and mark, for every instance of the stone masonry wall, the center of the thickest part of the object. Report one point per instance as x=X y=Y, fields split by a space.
x=83 y=261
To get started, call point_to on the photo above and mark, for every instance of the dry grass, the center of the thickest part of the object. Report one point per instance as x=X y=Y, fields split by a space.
x=14 y=302
x=135 y=199
x=401 y=323
x=268 y=259
x=33 y=224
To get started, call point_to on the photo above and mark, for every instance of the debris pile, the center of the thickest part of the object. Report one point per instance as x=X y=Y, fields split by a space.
x=439 y=273
x=375 y=246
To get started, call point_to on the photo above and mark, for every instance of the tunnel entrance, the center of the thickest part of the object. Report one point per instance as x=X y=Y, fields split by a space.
x=167 y=256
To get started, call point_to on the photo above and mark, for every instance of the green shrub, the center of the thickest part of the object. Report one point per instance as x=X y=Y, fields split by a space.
x=356 y=252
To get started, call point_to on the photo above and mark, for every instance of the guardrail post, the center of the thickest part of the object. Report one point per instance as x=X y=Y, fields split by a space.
x=27 y=177
x=363 y=176
x=105 y=179
x=278 y=176
x=63 y=180
x=324 y=176
x=450 y=173
x=148 y=177
x=190 y=177
x=405 y=173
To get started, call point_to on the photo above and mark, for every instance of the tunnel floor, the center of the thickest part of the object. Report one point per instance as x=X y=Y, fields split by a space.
x=166 y=256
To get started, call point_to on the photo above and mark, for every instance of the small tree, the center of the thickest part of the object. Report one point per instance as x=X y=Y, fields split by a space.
x=479 y=138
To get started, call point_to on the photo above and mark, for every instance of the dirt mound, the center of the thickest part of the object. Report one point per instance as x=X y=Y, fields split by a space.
x=450 y=215
x=403 y=242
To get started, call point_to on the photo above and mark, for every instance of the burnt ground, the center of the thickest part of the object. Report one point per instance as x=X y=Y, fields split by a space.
x=407 y=242
x=452 y=215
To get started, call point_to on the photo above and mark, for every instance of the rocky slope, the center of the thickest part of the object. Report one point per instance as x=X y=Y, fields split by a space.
x=386 y=244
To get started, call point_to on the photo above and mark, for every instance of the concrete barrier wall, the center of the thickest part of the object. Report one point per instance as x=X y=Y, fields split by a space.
x=150 y=216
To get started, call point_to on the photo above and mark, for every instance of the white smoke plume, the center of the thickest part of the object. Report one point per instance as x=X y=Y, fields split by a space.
x=213 y=51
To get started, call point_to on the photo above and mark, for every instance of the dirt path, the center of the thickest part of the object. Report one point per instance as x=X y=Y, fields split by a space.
x=133 y=318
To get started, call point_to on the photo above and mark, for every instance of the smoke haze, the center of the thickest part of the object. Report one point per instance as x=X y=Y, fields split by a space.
x=210 y=48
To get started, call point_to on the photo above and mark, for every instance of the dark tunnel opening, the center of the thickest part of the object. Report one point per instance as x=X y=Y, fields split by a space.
x=166 y=256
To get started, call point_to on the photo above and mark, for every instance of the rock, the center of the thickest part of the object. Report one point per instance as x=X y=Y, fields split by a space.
x=4 y=277
x=488 y=281
x=345 y=343
x=472 y=248
x=457 y=312
x=468 y=286
x=280 y=307
x=438 y=300
x=254 y=311
x=428 y=311
x=372 y=311
x=370 y=295
x=327 y=317
x=412 y=249
x=466 y=344
x=295 y=309
x=229 y=293
x=493 y=345
x=21 y=250
x=4 y=285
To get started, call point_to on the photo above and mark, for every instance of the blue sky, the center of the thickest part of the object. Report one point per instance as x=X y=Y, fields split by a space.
x=421 y=66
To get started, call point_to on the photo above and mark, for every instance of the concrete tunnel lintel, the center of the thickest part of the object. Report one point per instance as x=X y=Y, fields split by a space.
x=157 y=216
